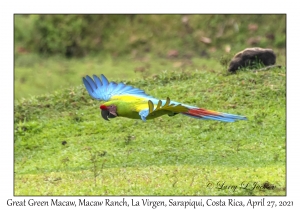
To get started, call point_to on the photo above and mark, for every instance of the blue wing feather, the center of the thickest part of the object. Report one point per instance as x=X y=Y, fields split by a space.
x=104 y=80
x=102 y=89
x=119 y=87
x=89 y=88
x=91 y=82
x=97 y=80
x=144 y=113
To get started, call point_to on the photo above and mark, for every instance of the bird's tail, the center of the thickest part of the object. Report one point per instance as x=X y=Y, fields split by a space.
x=201 y=113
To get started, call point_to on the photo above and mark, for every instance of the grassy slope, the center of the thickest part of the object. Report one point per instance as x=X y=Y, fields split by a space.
x=35 y=75
x=142 y=42
x=166 y=156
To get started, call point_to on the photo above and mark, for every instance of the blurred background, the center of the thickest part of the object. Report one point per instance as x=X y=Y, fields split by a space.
x=55 y=51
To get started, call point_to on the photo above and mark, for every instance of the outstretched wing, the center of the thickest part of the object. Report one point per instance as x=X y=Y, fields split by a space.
x=160 y=109
x=102 y=89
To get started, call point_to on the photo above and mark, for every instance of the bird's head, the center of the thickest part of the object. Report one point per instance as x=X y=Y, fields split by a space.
x=108 y=111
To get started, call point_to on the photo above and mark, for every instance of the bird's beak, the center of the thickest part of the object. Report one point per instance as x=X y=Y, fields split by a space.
x=108 y=113
x=105 y=114
x=112 y=114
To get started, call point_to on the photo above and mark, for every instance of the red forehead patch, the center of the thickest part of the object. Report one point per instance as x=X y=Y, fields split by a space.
x=103 y=107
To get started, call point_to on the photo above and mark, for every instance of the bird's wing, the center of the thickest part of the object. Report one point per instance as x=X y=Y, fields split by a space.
x=102 y=89
x=162 y=107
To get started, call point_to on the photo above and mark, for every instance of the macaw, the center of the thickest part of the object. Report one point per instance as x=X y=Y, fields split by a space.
x=126 y=101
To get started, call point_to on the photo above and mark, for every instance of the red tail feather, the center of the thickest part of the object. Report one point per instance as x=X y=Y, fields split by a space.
x=199 y=112
x=213 y=115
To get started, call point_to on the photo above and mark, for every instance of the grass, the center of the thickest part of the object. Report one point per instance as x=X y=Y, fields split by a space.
x=64 y=147
x=36 y=75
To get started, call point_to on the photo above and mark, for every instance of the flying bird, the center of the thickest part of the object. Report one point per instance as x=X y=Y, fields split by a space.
x=127 y=101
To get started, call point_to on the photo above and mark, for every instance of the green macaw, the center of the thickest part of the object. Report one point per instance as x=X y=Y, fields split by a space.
x=126 y=101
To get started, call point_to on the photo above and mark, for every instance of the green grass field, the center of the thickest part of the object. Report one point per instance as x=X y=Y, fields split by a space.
x=64 y=147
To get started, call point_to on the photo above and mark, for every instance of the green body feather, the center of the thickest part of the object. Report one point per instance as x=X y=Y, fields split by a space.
x=125 y=108
x=129 y=106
